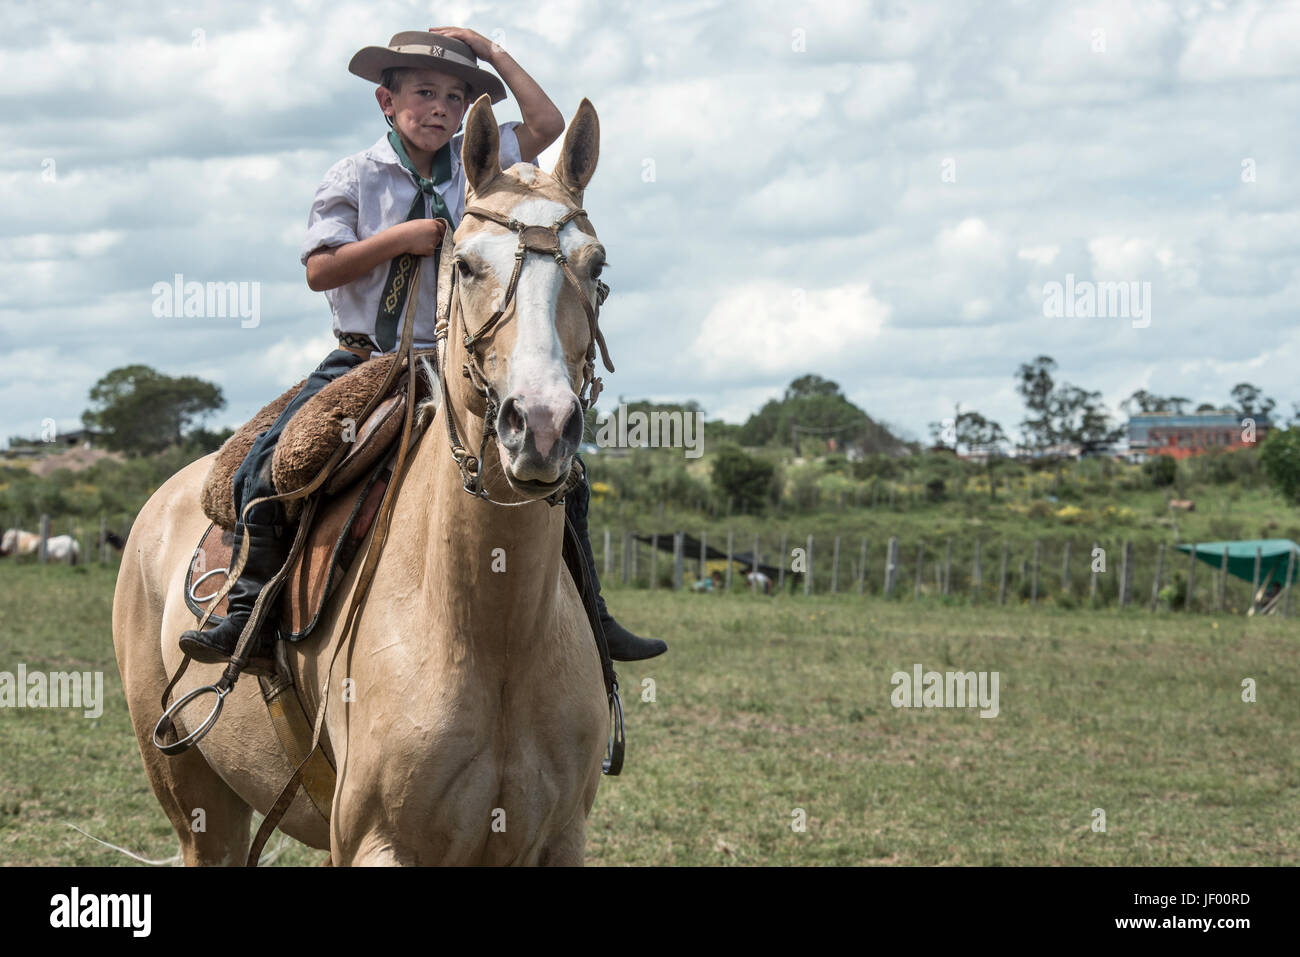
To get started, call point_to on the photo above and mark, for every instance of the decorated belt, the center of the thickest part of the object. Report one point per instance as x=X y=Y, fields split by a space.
x=359 y=344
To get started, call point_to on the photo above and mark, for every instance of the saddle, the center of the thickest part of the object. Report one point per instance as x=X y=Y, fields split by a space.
x=349 y=498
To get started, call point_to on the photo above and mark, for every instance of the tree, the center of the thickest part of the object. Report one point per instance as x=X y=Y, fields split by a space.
x=976 y=432
x=1279 y=456
x=1145 y=401
x=742 y=478
x=1251 y=402
x=141 y=411
x=1036 y=386
x=813 y=407
x=1080 y=417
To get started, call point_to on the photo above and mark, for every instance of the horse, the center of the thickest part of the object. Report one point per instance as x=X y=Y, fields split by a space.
x=471 y=717
x=17 y=542
x=63 y=548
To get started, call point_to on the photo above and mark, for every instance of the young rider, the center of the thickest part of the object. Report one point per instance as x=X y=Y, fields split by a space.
x=370 y=208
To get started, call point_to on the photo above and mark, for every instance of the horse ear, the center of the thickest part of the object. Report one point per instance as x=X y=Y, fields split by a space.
x=480 y=152
x=581 y=148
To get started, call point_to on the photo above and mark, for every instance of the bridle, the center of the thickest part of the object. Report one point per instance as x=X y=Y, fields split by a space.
x=532 y=238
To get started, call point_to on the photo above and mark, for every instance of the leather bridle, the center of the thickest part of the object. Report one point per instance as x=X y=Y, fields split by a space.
x=532 y=238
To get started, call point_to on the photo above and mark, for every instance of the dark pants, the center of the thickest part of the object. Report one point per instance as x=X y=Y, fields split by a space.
x=253 y=478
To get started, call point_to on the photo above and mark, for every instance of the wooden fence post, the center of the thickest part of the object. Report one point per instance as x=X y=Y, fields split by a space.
x=1126 y=573
x=862 y=569
x=1290 y=567
x=920 y=565
x=43 y=547
x=654 y=560
x=1092 y=579
x=1002 y=585
x=1191 y=577
x=808 y=575
x=1033 y=598
x=607 y=556
x=1223 y=579
x=1155 y=586
x=835 y=567
x=891 y=565
x=627 y=543
x=1254 y=585
x=679 y=541
x=1065 y=568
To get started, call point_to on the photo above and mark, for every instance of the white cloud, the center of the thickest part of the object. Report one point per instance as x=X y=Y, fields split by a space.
x=768 y=329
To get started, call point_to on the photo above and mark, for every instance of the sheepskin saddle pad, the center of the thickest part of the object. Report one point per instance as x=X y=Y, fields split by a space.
x=327 y=420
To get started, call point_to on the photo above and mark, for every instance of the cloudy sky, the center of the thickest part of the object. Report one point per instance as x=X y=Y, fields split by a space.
x=878 y=193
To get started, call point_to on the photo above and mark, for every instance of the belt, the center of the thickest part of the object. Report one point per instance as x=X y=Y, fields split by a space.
x=357 y=345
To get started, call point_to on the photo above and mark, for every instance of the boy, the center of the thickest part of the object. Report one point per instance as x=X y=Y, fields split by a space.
x=371 y=208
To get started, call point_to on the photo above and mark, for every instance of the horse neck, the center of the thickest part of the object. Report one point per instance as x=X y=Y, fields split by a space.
x=491 y=569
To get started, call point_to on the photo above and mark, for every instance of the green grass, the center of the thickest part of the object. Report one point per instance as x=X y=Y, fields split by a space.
x=765 y=705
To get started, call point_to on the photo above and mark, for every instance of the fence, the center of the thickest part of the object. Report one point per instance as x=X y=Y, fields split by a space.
x=91 y=536
x=979 y=571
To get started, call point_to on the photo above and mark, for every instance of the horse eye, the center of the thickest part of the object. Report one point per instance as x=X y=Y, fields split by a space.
x=465 y=270
x=596 y=269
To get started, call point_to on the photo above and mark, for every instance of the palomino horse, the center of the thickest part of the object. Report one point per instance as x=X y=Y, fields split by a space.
x=469 y=717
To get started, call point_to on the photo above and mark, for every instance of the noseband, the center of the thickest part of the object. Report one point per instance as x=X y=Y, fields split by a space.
x=538 y=239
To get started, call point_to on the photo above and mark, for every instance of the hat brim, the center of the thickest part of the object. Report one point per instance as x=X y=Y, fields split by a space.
x=370 y=63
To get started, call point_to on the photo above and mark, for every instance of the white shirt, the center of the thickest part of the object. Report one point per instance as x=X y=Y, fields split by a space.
x=367 y=193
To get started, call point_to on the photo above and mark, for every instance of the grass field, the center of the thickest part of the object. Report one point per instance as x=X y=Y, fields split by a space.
x=764 y=706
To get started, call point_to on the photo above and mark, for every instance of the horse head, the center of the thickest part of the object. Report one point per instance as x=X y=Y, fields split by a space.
x=526 y=258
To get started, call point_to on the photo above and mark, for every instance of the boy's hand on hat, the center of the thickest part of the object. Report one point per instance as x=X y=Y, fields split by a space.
x=423 y=236
x=483 y=47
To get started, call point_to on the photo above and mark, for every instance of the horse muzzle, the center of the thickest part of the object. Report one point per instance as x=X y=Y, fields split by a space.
x=538 y=440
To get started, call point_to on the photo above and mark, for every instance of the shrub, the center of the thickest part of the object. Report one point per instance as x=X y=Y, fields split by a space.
x=1162 y=470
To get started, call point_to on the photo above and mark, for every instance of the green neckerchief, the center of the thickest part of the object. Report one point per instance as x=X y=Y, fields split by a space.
x=393 y=300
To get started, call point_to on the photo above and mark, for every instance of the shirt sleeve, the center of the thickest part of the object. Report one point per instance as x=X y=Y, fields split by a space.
x=333 y=217
x=509 y=153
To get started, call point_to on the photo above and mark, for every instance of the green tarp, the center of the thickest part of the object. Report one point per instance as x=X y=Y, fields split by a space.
x=1241 y=558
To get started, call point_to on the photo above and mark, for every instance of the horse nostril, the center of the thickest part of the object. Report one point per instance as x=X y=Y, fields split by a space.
x=512 y=423
x=573 y=425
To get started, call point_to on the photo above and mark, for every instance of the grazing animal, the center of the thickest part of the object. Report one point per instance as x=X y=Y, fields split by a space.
x=476 y=718
x=112 y=538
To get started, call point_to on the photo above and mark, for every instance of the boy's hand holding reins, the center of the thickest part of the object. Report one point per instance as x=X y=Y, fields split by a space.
x=422 y=237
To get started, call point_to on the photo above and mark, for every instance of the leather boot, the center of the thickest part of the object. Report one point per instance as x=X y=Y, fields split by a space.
x=623 y=645
x=268 y=547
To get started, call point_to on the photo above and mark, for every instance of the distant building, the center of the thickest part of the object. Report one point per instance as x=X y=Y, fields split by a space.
x=1181 y=435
